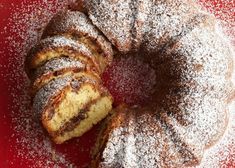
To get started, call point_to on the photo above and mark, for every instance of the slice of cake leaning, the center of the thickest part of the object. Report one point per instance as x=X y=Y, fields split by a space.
x=70 y=106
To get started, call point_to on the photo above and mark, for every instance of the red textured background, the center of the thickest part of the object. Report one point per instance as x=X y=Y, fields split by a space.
x=7 y=144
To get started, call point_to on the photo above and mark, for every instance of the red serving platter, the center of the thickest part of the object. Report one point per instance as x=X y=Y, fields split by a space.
x=13 y=152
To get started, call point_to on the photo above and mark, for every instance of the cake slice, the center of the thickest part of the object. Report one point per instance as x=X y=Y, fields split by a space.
x=70 y=106
x=59 y=67
x=59 y=46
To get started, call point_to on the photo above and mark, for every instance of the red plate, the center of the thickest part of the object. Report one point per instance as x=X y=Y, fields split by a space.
x=23 y=143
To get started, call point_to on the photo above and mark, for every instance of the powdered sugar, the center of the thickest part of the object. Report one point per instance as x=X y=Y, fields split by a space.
x=53 y=43
x=56 y=65
x=224 y=12
x=114 y=19
x=222 y=154
x=130 y=80
x=77 y=23
x=27 y=122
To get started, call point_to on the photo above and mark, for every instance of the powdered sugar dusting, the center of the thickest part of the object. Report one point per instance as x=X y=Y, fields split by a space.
x=77 y=23
x=222 y=154
x=130 y=80
x=60 y=41
x=58 y=64
x=224 y=12
x=111 y=24
x=27 y=125
x=46 y=93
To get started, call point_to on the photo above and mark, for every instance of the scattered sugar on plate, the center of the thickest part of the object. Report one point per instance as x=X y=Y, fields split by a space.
x=224 y=11
x=23 y=30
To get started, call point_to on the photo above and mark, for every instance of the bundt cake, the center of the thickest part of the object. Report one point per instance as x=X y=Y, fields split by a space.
x=193 y=65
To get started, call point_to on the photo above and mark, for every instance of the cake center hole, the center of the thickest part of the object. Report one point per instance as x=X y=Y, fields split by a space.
x=130 y=81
